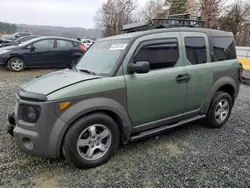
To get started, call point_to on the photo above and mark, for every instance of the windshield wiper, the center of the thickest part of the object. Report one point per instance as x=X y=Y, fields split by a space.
x=87 y=71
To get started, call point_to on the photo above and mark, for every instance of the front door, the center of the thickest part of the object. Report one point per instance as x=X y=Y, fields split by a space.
x=41 y=53
x=161 y=93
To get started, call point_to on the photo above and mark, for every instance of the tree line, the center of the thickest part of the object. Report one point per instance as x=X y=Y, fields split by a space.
x=7 y=28
x=218 y=14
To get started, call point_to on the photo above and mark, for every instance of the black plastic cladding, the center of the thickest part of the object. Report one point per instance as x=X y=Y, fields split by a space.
x=31 y=96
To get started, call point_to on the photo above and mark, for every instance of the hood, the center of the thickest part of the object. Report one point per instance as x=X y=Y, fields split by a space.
x=54 y=81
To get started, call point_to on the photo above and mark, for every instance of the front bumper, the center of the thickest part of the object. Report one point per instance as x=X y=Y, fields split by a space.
x=2 y=62
x=42 y=138
x=10 y=127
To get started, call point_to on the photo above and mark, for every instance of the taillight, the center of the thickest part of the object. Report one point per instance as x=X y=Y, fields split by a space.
x=83 y=47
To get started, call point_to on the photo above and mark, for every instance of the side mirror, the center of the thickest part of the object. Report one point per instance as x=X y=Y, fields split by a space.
x=139 y=67
x=31 y=48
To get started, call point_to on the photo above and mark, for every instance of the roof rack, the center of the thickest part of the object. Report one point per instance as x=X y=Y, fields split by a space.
x=175 y=20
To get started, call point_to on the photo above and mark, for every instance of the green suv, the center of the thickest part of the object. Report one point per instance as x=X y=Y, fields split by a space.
x=125 y=88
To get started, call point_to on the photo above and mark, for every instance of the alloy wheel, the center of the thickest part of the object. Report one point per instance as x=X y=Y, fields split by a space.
x=17 y=65
x=94 y=142
x=222 y=111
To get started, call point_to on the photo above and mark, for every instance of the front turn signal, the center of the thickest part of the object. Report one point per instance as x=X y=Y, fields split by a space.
x=64 y=105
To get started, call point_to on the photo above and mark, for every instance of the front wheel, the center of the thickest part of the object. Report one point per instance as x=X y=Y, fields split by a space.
x=91 y=141
x=220 y=109
x=16 y=64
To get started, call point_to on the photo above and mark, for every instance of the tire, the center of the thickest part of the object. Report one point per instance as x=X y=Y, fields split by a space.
x=16 y=64
x=73 y=63
x=80 y=156
x=220 y=110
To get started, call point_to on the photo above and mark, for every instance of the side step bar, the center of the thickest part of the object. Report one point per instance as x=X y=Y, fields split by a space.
x=151 y=132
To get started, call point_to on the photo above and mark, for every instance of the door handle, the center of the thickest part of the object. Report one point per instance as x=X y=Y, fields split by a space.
x=183 y=78
x=188 y=77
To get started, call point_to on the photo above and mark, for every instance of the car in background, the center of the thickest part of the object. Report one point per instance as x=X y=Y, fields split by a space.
x=4 y=40
x=16 y=35
x=243 y=55
x=10 y=38
x=57 y=52
x=19 y=40
x=87 y=42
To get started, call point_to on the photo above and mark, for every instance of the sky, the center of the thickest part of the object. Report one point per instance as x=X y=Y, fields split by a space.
x=68 y=13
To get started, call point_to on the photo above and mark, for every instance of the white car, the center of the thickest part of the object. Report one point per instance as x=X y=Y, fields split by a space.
x=87 y=42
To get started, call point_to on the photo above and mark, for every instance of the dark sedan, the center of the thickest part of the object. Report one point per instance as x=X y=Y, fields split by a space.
x=55 y=52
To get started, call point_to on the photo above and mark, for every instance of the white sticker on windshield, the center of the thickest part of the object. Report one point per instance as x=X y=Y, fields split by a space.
x=118 y=47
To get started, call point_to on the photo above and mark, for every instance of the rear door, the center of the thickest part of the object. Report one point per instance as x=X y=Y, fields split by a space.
x=63 y=52
x=198 y=65
x=40 y=53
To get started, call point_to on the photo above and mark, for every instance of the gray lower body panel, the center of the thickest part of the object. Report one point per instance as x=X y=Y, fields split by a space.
x=42 y=138
x=33 y=143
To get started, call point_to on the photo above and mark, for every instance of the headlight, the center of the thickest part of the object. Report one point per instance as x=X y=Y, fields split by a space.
x=4 y=51
x=30 y=113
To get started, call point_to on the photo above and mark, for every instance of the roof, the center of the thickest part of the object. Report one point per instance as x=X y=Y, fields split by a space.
x=56 y=37
x=212 y=32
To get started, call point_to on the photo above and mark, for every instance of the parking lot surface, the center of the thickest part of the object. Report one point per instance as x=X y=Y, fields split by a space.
x=192 y=156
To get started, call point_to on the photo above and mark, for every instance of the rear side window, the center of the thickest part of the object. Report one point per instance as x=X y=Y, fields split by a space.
x=196 y=50
x=224 y=48
x=64 y=44
x=160 y=55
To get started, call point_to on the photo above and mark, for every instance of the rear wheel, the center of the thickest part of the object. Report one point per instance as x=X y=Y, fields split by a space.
x=16 y=64
x=73 y=63
x=91 y=141
x=220 y=109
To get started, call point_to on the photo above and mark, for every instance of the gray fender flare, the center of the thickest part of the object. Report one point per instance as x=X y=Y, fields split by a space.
x=216 y=86
x=97 y=104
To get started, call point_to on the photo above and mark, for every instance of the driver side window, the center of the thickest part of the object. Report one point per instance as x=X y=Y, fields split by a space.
x=163 y=54
x=44 y=44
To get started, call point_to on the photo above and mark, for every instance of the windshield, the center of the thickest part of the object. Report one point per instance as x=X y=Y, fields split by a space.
x=102 y=56
x=27 y=42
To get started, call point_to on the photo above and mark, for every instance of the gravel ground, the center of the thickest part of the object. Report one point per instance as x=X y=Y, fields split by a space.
x=192 y=156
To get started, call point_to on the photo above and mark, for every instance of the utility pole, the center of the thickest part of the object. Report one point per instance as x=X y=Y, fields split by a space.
x=117 y=23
